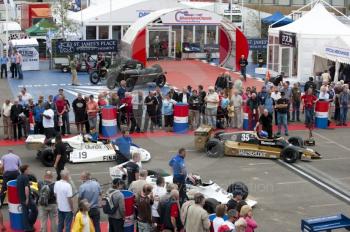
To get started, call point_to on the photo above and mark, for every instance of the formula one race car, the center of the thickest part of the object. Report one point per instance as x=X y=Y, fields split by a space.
x=134 y=73
x=249 y=144
x=80 y=150
x=209 y=189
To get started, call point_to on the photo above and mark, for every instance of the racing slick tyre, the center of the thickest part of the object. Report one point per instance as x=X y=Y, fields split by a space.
x=296 y=141
x=94 y=78
x=112 y=80
x=289 y=155
x=215 y=148
x=47 y=157
x=130 y=84
x=160 y=81
x=210 y=205
x=157 y=172
x=238 y=188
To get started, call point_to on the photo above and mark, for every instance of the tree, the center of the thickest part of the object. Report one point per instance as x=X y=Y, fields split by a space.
x=60 y=13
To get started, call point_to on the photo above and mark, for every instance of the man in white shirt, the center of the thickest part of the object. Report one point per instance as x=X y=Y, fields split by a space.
x=326 y=77
x=232 y=215
x=212 y=100
x=48 y=122
x=237 y=101
x=64 y=196
x=6 y=118
x=25 y=95
x=158 y=192
x=275 y=95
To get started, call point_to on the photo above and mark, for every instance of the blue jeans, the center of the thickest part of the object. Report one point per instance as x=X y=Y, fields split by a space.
x=64 y=221
x=144 y=227
x=309 y=116
x=343 y=114
x=211 y=116
x=19 y=71
x=296 y=111
x=282 y=121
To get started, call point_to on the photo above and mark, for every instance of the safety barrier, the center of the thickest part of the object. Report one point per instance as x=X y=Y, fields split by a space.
x=246 y=111
x=109 y=122
x=129 y=199
x=180 y=118
x=321 y=119
x=15 y=210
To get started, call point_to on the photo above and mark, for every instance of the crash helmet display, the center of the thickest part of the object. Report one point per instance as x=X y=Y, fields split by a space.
x=263 y=134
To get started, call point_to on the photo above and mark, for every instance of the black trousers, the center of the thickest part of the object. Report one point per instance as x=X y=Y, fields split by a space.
x=38 y=128
x=59 y=168
x=94 y=214
x=168 y=120
x=182 y=190
x=13 y=70
x=8 y=176
x=3 y=70
x=17 y=130
x=115 y=224
x=50 y=132
x=29 y=215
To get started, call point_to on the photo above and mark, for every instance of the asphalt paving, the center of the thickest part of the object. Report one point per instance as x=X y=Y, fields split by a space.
x=284 y=197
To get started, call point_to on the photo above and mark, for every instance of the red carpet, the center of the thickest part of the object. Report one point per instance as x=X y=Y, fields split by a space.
x=161 y=133
x=195 y=72
x=104 y=227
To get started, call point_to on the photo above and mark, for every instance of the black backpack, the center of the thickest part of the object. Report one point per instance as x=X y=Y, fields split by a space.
x=44 y=194
x=108 y=205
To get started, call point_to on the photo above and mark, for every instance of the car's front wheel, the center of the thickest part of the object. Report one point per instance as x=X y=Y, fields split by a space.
x=112 y=80
x=215 y=148
x=130 y=84
x=161 y=80
x=94 y=78
x=289 y=155
x=47 y=157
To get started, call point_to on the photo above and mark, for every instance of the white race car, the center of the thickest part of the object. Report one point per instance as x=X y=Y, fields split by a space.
x=209 y=190
x=80 y=150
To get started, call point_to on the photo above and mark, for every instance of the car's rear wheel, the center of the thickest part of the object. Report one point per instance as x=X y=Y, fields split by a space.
x=239 y=188
x=47 y=157
x=130 y=84
x=111 y=80
x=161 y=80
x=289 y=155
x=94 y=78
x=215 y=148
x=296 y=141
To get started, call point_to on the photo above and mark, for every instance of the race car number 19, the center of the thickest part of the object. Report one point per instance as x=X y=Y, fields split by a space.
x=82 y=155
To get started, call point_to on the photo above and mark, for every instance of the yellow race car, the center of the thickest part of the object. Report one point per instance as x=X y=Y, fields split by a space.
x=249 y=144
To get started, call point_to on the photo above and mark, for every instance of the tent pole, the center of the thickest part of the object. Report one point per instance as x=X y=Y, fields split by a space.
x=336 y=74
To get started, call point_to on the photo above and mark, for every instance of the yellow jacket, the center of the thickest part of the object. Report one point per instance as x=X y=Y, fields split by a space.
x=78 y=223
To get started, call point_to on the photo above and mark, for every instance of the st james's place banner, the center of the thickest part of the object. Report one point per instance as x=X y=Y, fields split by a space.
x=86 y=46
x=257 y=44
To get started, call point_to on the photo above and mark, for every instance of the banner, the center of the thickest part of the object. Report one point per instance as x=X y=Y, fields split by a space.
x=257 y=44
x=30 y=58
x=340 y=52
x=86 y=46
x=287 y=39
x=192 y=17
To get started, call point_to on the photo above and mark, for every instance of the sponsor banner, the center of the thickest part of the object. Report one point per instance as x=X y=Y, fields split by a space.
x=287 y=39
x=142 y=13
x=257 y=44
x=322 y=114
x=86 y=46
x=339 y=52
x=109 y=122
x=251 y=153
x=180 y=119
x=191 y=16
x=30 y=58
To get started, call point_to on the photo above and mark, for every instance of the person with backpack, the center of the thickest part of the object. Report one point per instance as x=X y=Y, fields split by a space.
x=113 y=205
x=82 y=221
x=90 y=190
x=47 y=202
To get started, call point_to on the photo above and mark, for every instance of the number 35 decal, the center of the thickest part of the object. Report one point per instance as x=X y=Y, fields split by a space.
x=245 y=137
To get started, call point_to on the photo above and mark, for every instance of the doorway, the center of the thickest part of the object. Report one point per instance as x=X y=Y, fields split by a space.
x=160 y=42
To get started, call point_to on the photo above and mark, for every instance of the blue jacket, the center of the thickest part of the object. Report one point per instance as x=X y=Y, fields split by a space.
x=269 y=102
x=177 y=163
x=124 y=144
x=168 y=107
x=38 y=110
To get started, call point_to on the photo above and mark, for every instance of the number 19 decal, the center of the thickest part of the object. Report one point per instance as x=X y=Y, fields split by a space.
x=82 y=155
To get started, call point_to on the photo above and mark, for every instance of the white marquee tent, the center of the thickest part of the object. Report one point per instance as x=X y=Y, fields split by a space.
x=313 y=30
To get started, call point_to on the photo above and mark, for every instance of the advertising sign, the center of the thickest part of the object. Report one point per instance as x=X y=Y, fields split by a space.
x=340 y=52
x=287 y=38
x=257 y=44
x=30 y=58
x=191 y=17
x=191 y=47
x=86 y=46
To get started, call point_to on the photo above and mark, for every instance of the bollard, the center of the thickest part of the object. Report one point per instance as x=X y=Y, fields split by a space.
x=180 y=118
x=129 y=199
x=246 y=118
x=109 y=122
x=321 y=119
x=15 y=210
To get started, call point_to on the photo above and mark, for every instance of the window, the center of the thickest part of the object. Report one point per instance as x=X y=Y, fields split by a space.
x=275 y=57
x=268 y=1
x=298 y=2
x=90 y=32
x=211 y=34
x=200 y=34
x=125 y=28
x=188 y=34
x=338 y=3
x=103 y=32
x=283 y=2
x=116 y=32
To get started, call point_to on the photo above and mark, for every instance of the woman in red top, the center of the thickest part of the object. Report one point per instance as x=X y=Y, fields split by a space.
x=61 y=109
x=127 y=111
x=309 y=100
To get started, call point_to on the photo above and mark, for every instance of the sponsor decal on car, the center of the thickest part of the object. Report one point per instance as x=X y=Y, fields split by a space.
x=108 y=157
x=268 y=143
x=251 y=153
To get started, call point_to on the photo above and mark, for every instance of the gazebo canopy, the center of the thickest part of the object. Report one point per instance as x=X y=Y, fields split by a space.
x=277 y=17
x=41 y=28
